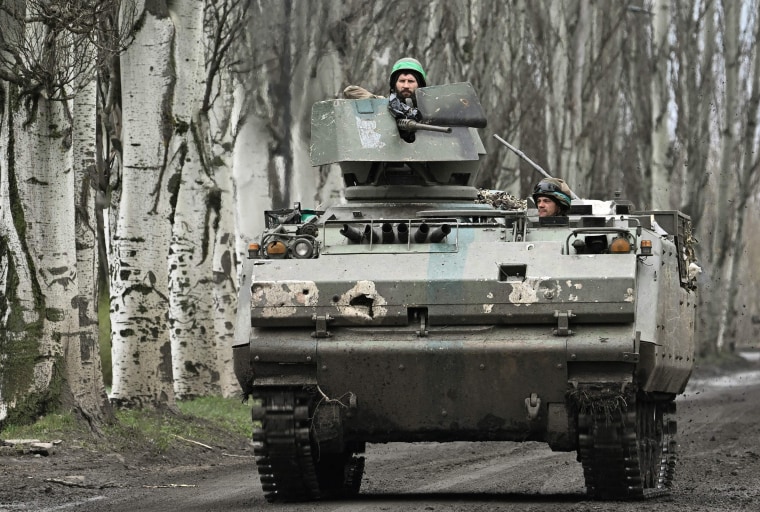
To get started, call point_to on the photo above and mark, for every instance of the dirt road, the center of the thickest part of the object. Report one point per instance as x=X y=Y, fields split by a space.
x=718 y=470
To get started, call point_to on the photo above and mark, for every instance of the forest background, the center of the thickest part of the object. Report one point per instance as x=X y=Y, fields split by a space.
x=141 y=141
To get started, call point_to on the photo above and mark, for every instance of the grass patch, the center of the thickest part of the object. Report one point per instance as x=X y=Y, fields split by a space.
x=212 y=421
x=48 y=427
x=228 y=413
x=218 y=422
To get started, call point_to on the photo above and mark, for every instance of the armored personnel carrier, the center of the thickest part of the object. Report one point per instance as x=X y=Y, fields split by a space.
x=410 y=312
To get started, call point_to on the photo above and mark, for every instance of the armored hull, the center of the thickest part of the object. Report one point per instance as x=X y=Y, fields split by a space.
x=411 y=313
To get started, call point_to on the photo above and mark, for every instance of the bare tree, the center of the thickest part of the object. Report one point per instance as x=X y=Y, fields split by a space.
x=174 y=254
x=55 y=46
x=202 y=268
x=747 y=179
x=660 y=183
x=720 y=231
x=694 y=97
x=49 y=342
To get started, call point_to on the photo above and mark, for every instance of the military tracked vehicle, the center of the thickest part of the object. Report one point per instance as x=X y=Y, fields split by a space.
x=410 y=312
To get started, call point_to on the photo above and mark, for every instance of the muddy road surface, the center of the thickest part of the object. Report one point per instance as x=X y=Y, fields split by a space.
x=718 y=470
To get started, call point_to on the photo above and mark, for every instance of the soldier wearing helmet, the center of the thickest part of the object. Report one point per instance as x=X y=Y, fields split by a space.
x=406 y=76
x=552 y=197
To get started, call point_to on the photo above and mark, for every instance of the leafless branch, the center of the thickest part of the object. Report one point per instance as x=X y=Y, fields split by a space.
x=225 y=20
x=50 y=48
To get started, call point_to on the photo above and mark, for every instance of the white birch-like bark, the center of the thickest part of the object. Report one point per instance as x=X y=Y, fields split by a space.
x=12 y=254
x=698 y=79
x=17 y=307
x=203 y=266
x=142 y=366
x=191 y=305
x=724 y=215
x=221 y=123
x=660 y=189
x=699 y=70
x=20 y=310
x=746 y=183
x=83 y=363
x=225 y=287
x=42 y=348
x=45 y=181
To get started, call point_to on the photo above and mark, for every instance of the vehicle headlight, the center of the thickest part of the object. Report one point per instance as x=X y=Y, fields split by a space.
x=302 y=248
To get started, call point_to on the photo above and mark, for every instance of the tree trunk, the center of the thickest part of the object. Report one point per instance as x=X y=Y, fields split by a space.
x=142 y=364
x=660 y=192
x=722 y=260
x=21 y=302
x=746 y=181
x=83 y=364
x=41 y=319
x=558 y=128
x=576 y=163
x=695 y=62
x=191 y=305
x=221 y=131
x=48 y=320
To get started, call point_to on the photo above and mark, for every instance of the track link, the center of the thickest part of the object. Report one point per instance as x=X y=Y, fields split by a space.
x=282 y=447
x=288 y=461
x=628 y=452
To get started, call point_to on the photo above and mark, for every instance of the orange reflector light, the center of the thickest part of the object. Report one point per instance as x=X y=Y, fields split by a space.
x=253 y=250
x=646 y=247
x=276 y=247
x=620 y=246
x=277 y=250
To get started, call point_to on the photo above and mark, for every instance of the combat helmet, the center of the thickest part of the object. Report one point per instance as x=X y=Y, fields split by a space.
x=556 y=189
x=408 y=64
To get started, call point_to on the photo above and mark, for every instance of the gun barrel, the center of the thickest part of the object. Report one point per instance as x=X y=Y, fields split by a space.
x=422 y=233
x=387 y=234
x=403 y=232
x=413 y=126
x=440 y=233
x=351 y=233
x=371 y=235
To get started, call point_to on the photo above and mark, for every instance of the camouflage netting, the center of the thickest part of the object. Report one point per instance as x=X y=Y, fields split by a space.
x=606 y=402
x=501 y=200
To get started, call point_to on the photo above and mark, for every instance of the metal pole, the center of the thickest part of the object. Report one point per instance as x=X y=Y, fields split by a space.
x=531 y=162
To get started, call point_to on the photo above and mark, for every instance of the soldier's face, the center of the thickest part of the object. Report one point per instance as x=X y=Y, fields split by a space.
x=406 y=84
x=546 y=207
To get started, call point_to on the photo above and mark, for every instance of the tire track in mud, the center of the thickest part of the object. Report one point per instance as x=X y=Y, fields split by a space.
x=434 y=473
